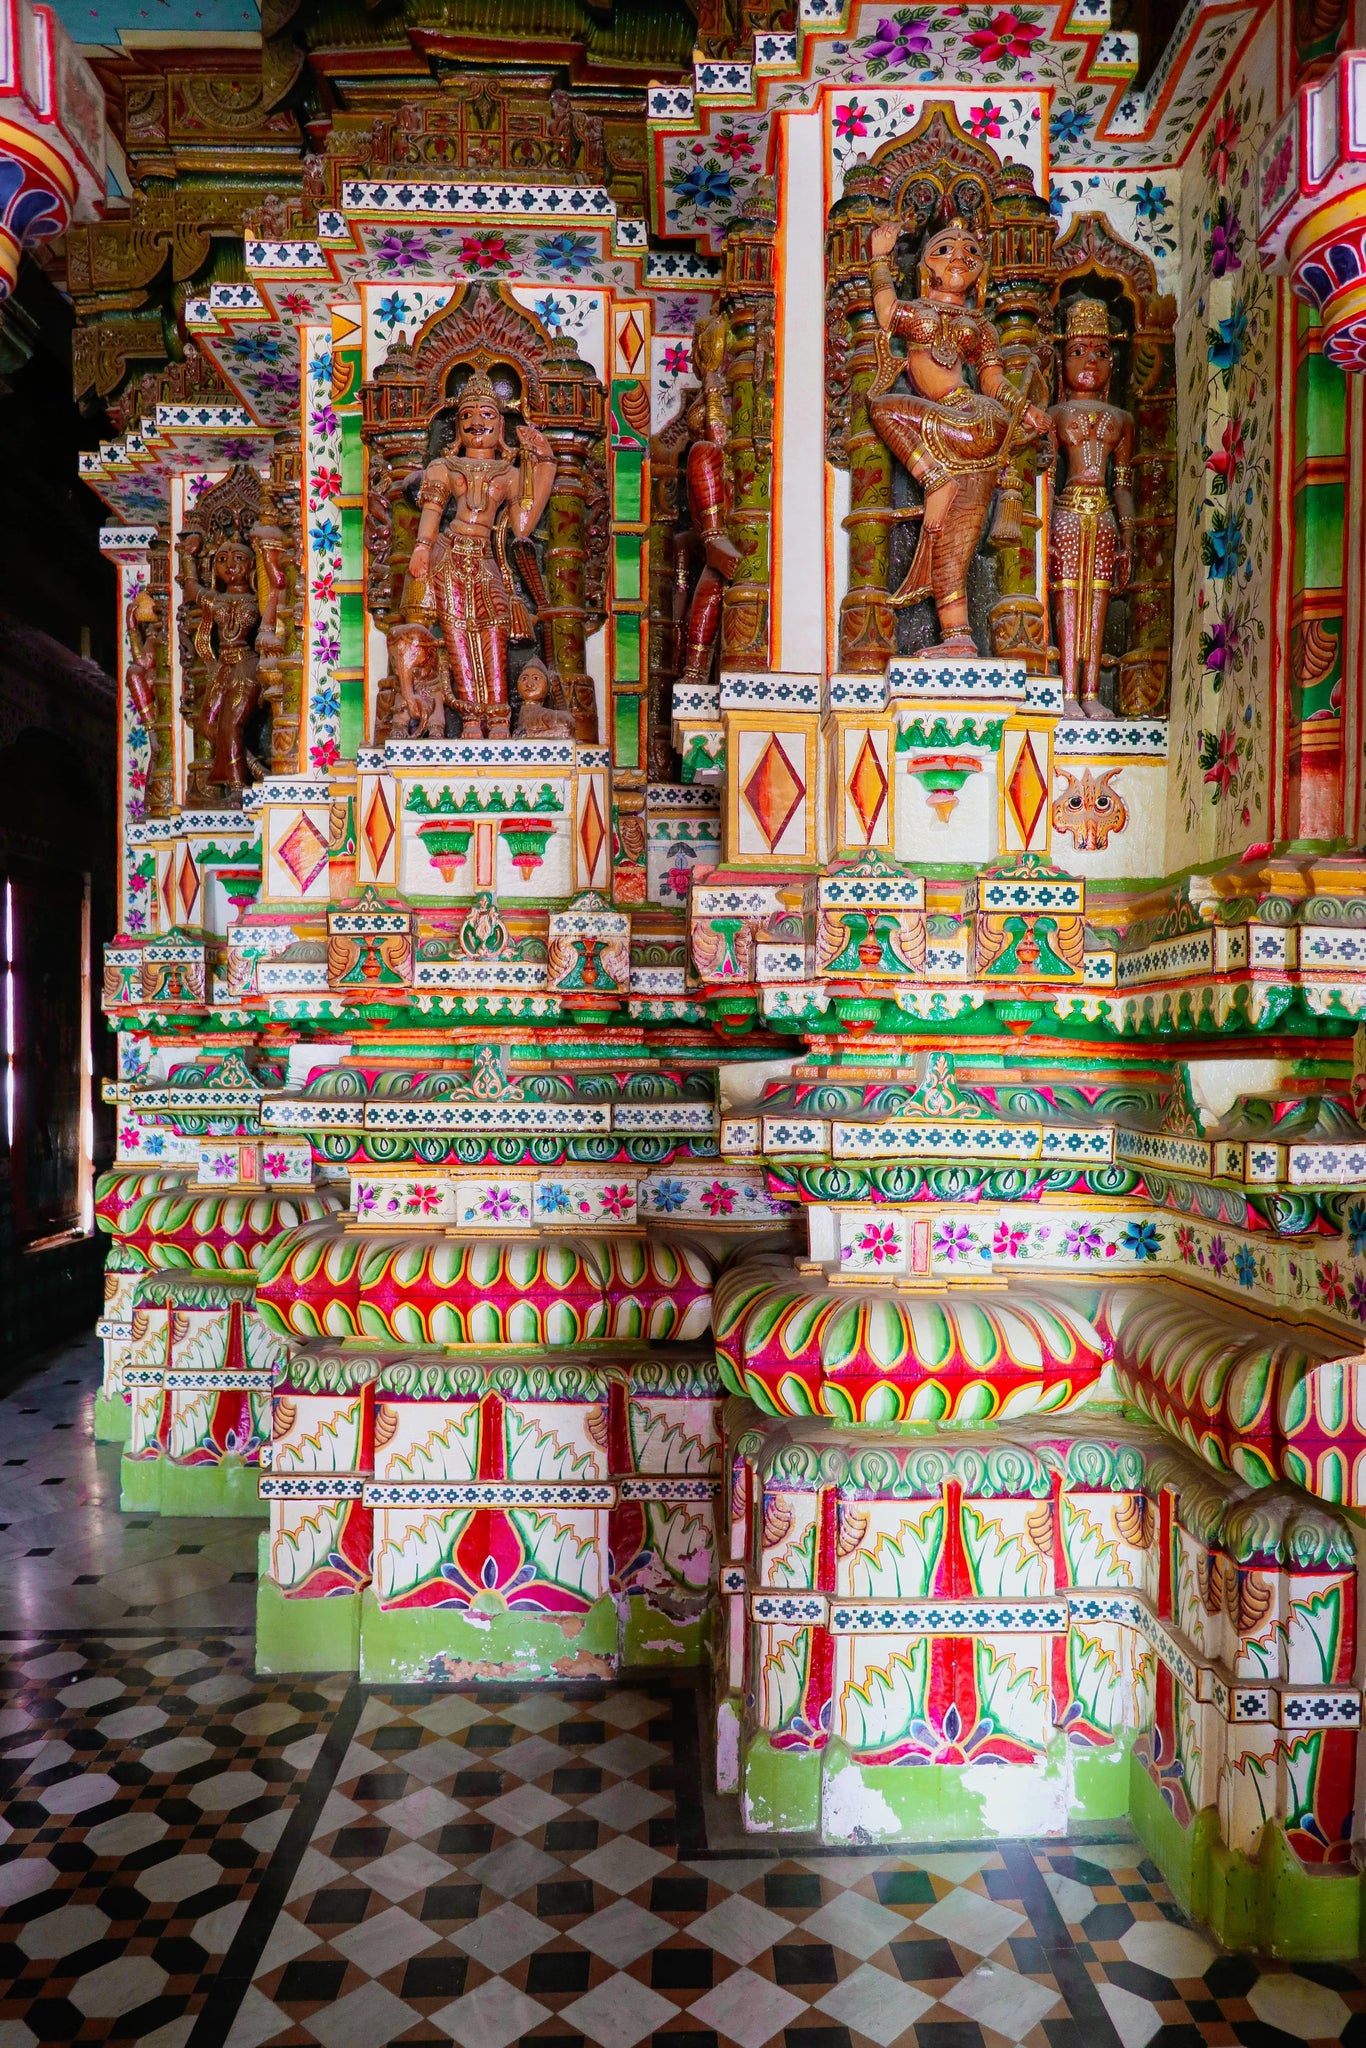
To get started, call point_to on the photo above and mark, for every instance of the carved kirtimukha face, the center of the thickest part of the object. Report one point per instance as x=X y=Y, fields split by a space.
x=233 y=565
x=1087 y=365
x=954 y=261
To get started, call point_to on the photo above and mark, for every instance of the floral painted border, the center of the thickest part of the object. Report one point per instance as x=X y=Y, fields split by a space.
x=322 y=443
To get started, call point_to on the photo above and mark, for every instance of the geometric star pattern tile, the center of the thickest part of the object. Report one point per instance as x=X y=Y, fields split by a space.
x=193 y=1855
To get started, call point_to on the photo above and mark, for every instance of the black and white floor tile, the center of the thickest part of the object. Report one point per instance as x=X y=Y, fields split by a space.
x=191 y=1857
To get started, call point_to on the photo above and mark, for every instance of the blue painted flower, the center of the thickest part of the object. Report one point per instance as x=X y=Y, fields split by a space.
x=1223 y=549
x=552 y=1199
x=327 y=701
x=1141 y=1239
x=670 y=1195
x=257 y=348
x=1069 y=124
x=701 y=186
x=1356 y=1228
x=550 y=311
x=325 y=534
x=567 y=252
x=320 y=369
x=393 y=311
x=1225 y=345
x=1245 y=1266
x=1150 y=201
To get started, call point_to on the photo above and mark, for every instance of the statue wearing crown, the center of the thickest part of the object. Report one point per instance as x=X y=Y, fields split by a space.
x=953 y=435
x=473 y=498
x=1089 y=549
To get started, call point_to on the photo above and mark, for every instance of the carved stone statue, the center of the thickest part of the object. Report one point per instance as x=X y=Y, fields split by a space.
x=471 y=501
x=952 y=436
x=218 y=576
x=415 y=659
x=143 y=623
x=697 y=603
x=1089 y=551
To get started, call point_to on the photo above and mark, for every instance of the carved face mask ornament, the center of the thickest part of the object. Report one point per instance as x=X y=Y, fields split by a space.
x=1089 y=810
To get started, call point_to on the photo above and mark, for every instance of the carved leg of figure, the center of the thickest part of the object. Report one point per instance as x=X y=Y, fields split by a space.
x=704 y=622
x=1063 y=559
x=1090 y=687
x=1095 y=574
x=478 y=658
x=952 y=526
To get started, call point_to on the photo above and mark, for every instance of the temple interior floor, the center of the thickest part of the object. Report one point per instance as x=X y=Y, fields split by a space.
x=193 y=1855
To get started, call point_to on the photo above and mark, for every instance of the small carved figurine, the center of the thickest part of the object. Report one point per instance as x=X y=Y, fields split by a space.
x=463 y=563
x=697 y=613
x=1089 y=554
x=953 y=439
x=419 y=709
x=225 y=622
x=538 y=718
x=142 y=644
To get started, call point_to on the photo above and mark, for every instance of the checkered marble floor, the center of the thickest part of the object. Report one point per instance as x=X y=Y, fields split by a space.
x=191 y=1857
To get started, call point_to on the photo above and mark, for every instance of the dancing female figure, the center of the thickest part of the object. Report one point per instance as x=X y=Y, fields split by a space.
x=952 y=436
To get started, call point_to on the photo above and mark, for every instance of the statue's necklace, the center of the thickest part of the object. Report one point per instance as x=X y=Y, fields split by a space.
x=1093 y=448
x=478 y=475
x=946 y=348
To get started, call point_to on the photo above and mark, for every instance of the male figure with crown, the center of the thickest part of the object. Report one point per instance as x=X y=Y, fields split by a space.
x=470 y=499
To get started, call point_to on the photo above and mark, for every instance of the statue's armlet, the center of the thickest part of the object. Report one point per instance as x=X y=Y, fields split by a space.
x=985 y=350
x=435 y=487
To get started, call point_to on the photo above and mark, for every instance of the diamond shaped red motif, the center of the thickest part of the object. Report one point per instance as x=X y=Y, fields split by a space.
x=631 y=341
x=378 y=828
x=188 y=885
x=303 y=850
x=868 y=786
x=773 y=791
x=1026 y=791
x=592 y=832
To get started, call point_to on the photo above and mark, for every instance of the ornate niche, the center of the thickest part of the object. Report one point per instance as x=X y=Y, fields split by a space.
x=925 y=178
x=1092 y=262
x=557 y=576
x=240 y=656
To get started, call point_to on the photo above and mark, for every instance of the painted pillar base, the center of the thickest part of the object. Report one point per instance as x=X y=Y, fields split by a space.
x=786 y=1790
x=304 y=1635
x=1269 y=1903
x=113 y=1419
x=159 y=1486
x=780 y=1789
x=444 y=1646
x=649 y=1637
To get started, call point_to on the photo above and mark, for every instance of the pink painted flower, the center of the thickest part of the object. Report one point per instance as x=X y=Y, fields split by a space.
x=985 y=121
x=485 y=252
x=618 y=1201
x=274 y=1164
x=325 y=754
x=675 y=358
x=327 y=482
x=1006 y=35
x=1331 y=1284
x=718 y=1199
x=851 y=121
